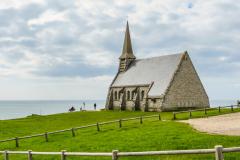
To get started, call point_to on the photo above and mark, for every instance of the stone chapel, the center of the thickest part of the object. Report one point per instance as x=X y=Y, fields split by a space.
x=164 y=83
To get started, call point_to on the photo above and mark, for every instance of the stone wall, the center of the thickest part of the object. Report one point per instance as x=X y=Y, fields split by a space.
x=186 y=90
x=116 y=101
x=154 y=104
x=130 y=100
x=143 y=100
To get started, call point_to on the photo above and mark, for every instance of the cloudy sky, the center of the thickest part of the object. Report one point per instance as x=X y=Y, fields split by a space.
x=58 y=49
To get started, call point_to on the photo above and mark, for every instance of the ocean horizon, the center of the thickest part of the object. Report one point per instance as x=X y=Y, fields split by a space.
x=12 y=109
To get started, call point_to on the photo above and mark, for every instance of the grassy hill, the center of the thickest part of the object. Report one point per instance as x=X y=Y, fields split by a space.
x=133 y=136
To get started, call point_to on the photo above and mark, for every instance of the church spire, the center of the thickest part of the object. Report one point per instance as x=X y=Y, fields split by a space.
x=127 y=52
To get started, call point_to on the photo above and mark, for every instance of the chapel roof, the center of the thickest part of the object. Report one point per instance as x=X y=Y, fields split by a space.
x=159 y=70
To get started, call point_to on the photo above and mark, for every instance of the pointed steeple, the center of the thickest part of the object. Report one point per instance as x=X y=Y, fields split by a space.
x=127 y=52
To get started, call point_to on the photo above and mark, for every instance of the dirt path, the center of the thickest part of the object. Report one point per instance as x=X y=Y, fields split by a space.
x=228 y=124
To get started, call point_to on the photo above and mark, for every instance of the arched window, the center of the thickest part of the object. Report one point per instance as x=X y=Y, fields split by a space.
x=132 y=94
x=115 y=95
x=142 y=95
x=128 y=95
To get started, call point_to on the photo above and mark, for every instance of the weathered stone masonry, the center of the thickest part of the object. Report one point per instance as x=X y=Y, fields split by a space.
x=185 y=89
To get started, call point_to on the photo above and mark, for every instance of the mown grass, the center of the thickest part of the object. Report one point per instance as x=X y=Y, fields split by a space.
x=40 y=124
x=133 y=136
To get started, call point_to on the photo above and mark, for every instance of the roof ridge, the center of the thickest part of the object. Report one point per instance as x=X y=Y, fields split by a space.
x=166 y=55
x=144 y=71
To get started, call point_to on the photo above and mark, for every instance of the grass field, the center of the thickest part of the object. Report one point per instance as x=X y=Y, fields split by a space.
x=133 y=136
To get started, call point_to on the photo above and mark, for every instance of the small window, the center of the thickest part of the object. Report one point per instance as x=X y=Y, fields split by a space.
x=115 y=95
x=128 y=95
x=142 y=95
x=153 y=100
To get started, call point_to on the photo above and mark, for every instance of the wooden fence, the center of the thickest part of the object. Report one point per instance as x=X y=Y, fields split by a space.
x=205 y=110
x=115 y=154
x=72 y=130
x=119 y=122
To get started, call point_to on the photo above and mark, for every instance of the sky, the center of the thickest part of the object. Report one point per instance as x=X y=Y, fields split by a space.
x=58 y=49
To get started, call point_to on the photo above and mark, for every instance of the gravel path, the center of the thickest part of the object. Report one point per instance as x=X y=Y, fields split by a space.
x=228 y=124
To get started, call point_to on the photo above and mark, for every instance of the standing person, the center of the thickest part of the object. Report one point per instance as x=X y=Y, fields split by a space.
x=83 y=105
x=95 y=106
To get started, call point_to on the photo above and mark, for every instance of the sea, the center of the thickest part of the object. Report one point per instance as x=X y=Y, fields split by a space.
x=22 y=108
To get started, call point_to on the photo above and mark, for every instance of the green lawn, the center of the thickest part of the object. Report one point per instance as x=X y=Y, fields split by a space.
x=133 y=136
x=40 y=124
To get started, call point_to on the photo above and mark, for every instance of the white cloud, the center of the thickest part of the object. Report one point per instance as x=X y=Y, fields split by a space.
x=100 y=59
x=47 y=17
x=18 y=4
x=72 y=39
x=47 y=33
x=222 y=58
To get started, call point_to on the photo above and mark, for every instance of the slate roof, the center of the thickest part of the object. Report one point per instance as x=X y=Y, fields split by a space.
x=159 y=70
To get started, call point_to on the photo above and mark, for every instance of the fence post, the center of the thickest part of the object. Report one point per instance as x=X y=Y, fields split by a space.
x=120 y=123
x=174 y=115
x=231 y=107
x=219 y=153
x=63 y=155
x=46 y=136
x=98 y=128
x=141 y=120
x=30 y=155
x=190 y=114
x=219 y=109
x=6 y=155
x=17 y=144
x=159 y=117
x=114 y=154
x=73 y=133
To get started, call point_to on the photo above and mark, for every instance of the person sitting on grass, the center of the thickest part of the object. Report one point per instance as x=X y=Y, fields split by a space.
x=72 y=109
